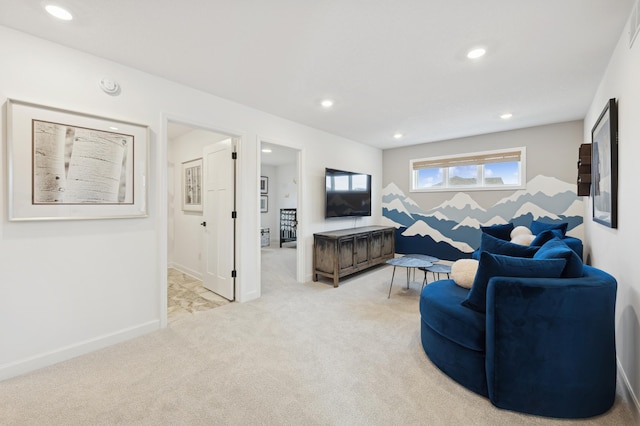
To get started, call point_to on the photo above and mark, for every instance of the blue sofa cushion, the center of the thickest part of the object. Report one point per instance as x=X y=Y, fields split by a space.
x=441 y=310
x=574 y=244
x=495 y=245
x=538 y=227
x=499 y=231
x=555 y=248
x=495 y=265
x=545 y=236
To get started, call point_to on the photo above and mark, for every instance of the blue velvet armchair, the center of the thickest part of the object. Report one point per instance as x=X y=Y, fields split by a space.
x=544 y=346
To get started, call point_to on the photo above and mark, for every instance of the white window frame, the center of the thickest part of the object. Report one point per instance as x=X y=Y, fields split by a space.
x=468 y=159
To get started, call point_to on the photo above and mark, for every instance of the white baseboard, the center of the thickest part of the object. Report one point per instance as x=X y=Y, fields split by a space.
x=191 y=272
x=628 y=394
x=46 y=359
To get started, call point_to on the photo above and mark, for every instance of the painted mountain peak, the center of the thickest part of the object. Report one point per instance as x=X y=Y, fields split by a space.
x=392 y=189
x=397 y=205
x=538 y=213
x=422 y=229
x=541 y=184
x=461 y=200
x=452 y=231
x=391 y=193
x=575 y=209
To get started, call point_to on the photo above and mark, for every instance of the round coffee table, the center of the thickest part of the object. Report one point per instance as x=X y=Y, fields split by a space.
x=439 y=268
x=410 y=261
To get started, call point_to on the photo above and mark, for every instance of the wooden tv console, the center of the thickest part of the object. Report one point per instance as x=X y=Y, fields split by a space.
x=337 y=254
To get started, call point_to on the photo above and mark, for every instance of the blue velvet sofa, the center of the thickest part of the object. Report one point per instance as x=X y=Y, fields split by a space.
x=542 y=230
x=541 y=345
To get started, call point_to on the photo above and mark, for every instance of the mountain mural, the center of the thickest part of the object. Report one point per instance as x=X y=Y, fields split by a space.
x=451 y=230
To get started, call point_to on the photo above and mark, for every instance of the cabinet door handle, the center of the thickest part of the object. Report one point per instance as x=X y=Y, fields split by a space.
x=204 y=224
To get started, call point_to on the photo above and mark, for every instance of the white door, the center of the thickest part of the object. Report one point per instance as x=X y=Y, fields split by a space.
x=219 y=223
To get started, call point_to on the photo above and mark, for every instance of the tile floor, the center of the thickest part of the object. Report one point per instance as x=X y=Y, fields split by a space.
x=186 y=296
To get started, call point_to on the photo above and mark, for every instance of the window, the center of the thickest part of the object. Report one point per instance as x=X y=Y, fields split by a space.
x=504 y=169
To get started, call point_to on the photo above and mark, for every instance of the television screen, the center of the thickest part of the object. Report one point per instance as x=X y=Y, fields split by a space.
x=347 y=193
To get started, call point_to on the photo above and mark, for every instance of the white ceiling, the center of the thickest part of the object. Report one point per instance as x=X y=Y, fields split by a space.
x=390 y=66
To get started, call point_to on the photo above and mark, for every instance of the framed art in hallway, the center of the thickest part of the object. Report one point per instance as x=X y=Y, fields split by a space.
x=73 y=165
x=192 y=185
x=604 y=166
x=264 y=185
x=264 y=204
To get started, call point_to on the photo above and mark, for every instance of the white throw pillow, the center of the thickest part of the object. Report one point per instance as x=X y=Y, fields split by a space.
x=520 y=230
x=523 y=239
x=463 y=272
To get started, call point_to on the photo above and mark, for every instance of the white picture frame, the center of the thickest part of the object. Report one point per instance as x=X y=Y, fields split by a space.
x=66 y=165
x=192 y=185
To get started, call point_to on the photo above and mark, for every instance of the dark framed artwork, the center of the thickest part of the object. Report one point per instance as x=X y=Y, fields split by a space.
x=264 y=185
x=604 y=166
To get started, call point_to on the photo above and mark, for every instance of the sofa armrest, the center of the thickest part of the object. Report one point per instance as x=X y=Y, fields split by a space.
x=550 y=344
x=575 y=244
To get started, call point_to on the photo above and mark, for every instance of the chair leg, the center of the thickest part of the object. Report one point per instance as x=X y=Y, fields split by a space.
x=391 y=285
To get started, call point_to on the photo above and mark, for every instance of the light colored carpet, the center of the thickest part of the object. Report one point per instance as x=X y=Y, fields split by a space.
x=303 y=354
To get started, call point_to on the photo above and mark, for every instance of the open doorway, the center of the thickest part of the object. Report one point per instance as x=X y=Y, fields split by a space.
x=279 y=214
x=192 y=227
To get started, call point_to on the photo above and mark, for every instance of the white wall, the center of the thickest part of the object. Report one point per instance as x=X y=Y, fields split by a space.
x=269 y=219
x=283 y=194
x=287 y=187
x=69 y=287
x=616 y=250
x=185 y=242
x=552 y=150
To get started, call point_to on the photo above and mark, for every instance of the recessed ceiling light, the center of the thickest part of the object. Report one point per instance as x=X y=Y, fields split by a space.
x=506 y=116
x=398 y=136
x=327 y=103
x=59 y=12
x=267 y=150
x=476 y=53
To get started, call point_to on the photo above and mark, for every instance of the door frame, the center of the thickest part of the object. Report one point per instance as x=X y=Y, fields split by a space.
x=302 y=223
x=163 y=201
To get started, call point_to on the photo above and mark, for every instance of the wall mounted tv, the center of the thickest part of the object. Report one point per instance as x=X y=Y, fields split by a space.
x=347 y=193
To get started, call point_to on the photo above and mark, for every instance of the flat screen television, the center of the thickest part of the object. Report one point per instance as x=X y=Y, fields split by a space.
x=347 y=193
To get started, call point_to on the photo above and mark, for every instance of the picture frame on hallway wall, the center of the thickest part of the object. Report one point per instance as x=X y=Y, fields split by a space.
x=66 y=165
x=192 y=185
x=264 y=185
x=264 y=204
x=604 y=166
